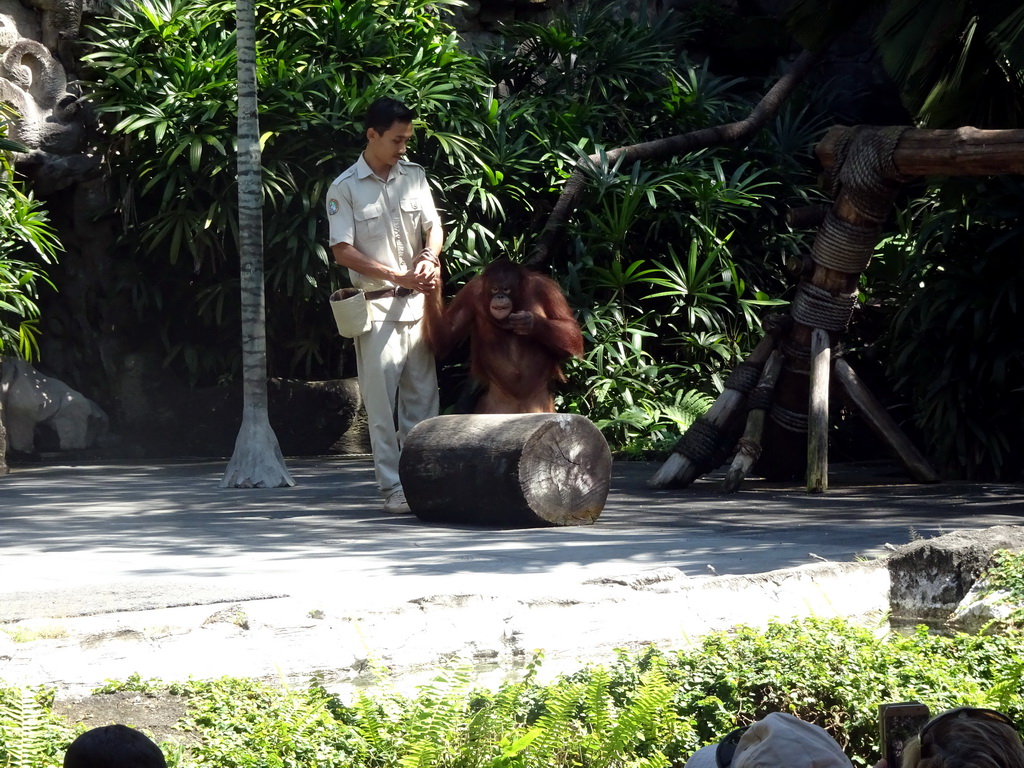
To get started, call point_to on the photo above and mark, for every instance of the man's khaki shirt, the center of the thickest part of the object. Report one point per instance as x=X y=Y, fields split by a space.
x=386 y=221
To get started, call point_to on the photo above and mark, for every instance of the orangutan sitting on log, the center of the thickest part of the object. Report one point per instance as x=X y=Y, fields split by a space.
x=520 y=329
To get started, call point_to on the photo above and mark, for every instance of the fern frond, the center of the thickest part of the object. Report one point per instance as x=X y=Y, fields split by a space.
x=437 y=724
x=642 y=718
x=23 y=734
x=688 y=407
x=598 y=708
x=558 y=725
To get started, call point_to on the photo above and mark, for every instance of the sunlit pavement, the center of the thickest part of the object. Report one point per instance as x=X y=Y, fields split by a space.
x=98 y=541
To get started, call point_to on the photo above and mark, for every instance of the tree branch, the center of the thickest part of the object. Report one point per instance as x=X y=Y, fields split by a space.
x=672 y=146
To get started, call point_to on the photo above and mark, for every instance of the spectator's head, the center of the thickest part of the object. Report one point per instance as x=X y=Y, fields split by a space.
x=114 y=746
x=967 y=737
x=778 y=741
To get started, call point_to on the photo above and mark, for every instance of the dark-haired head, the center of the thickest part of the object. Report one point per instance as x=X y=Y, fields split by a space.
x=114 y=746
x=966 y=737
x=385 y=112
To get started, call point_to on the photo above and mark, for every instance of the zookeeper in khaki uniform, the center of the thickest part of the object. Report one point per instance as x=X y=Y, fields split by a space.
x=385 y=229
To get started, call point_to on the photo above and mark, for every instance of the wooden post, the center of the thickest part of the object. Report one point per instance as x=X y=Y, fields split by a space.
x=840 y=252
x=817 y=413
x=679 y=470
x=750 y=443
x=515 y=471
x=883 y=424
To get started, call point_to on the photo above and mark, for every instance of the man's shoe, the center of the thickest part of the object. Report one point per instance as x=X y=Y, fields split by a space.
x=396 y=503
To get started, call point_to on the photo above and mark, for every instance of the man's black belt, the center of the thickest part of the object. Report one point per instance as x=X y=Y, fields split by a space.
x=387 y=293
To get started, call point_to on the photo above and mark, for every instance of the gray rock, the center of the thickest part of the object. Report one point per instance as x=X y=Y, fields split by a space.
x=982 y=609
x=930 y=577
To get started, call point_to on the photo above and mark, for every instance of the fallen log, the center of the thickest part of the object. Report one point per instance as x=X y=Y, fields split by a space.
x=512 y=471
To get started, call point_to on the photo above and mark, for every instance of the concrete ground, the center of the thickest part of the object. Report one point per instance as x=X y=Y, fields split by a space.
x=110 y=570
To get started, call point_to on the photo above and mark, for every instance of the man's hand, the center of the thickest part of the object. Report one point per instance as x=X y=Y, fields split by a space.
x=425 y=276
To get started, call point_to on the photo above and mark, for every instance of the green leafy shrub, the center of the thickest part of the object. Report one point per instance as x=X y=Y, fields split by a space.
x=955 y=351
x=27 y=244
x=652 y=708
x=244 y=722
x=1005 y=575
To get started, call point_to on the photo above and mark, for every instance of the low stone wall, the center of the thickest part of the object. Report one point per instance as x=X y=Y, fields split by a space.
x=931 y=577
x=351 y=636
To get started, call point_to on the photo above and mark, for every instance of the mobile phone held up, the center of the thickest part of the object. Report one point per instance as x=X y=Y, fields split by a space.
x=898 y=724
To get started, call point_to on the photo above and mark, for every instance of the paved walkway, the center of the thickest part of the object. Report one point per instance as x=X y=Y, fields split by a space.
x=90 y=547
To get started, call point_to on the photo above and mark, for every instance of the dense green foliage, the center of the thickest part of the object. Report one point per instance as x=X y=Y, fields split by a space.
x=1006 y=576
x=163 y=73
x=27 y=245
x=649 y=709
x=955 y=63
x=955 y=350
x=31 y=736
x=667 y=265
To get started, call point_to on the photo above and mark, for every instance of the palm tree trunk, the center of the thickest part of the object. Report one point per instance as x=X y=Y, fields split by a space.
x=257 y=461
x=3 y=443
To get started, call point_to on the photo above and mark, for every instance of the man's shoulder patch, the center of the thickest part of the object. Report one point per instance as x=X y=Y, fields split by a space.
x=332 y=206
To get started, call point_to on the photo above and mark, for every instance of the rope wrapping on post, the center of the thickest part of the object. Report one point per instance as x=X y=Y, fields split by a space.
x=794 y=351
x=792 y=421
x=743 y=378
x=864 y=172
x=761 y=398
x=750 y=447
x=817 y=308
x=704 y=444
x=864 y=163
x=843 y=246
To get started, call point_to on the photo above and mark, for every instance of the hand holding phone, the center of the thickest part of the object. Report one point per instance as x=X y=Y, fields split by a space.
x=897 y=724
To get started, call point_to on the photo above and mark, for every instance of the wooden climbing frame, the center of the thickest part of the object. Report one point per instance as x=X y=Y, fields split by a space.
x=780 y=395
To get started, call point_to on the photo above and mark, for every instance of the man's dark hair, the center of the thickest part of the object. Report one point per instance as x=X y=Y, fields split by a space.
x=385 y=112
x=114 y=746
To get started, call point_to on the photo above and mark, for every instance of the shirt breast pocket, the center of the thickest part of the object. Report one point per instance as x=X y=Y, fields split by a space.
x=370 y=222
x=412 y=215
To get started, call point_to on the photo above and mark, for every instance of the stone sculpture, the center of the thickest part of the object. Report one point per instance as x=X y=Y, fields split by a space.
x=29 y=399
x=49 y=117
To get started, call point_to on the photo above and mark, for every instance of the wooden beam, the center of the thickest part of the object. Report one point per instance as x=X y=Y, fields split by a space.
x=680 y=470
x=964 y=151
x=883 y=424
